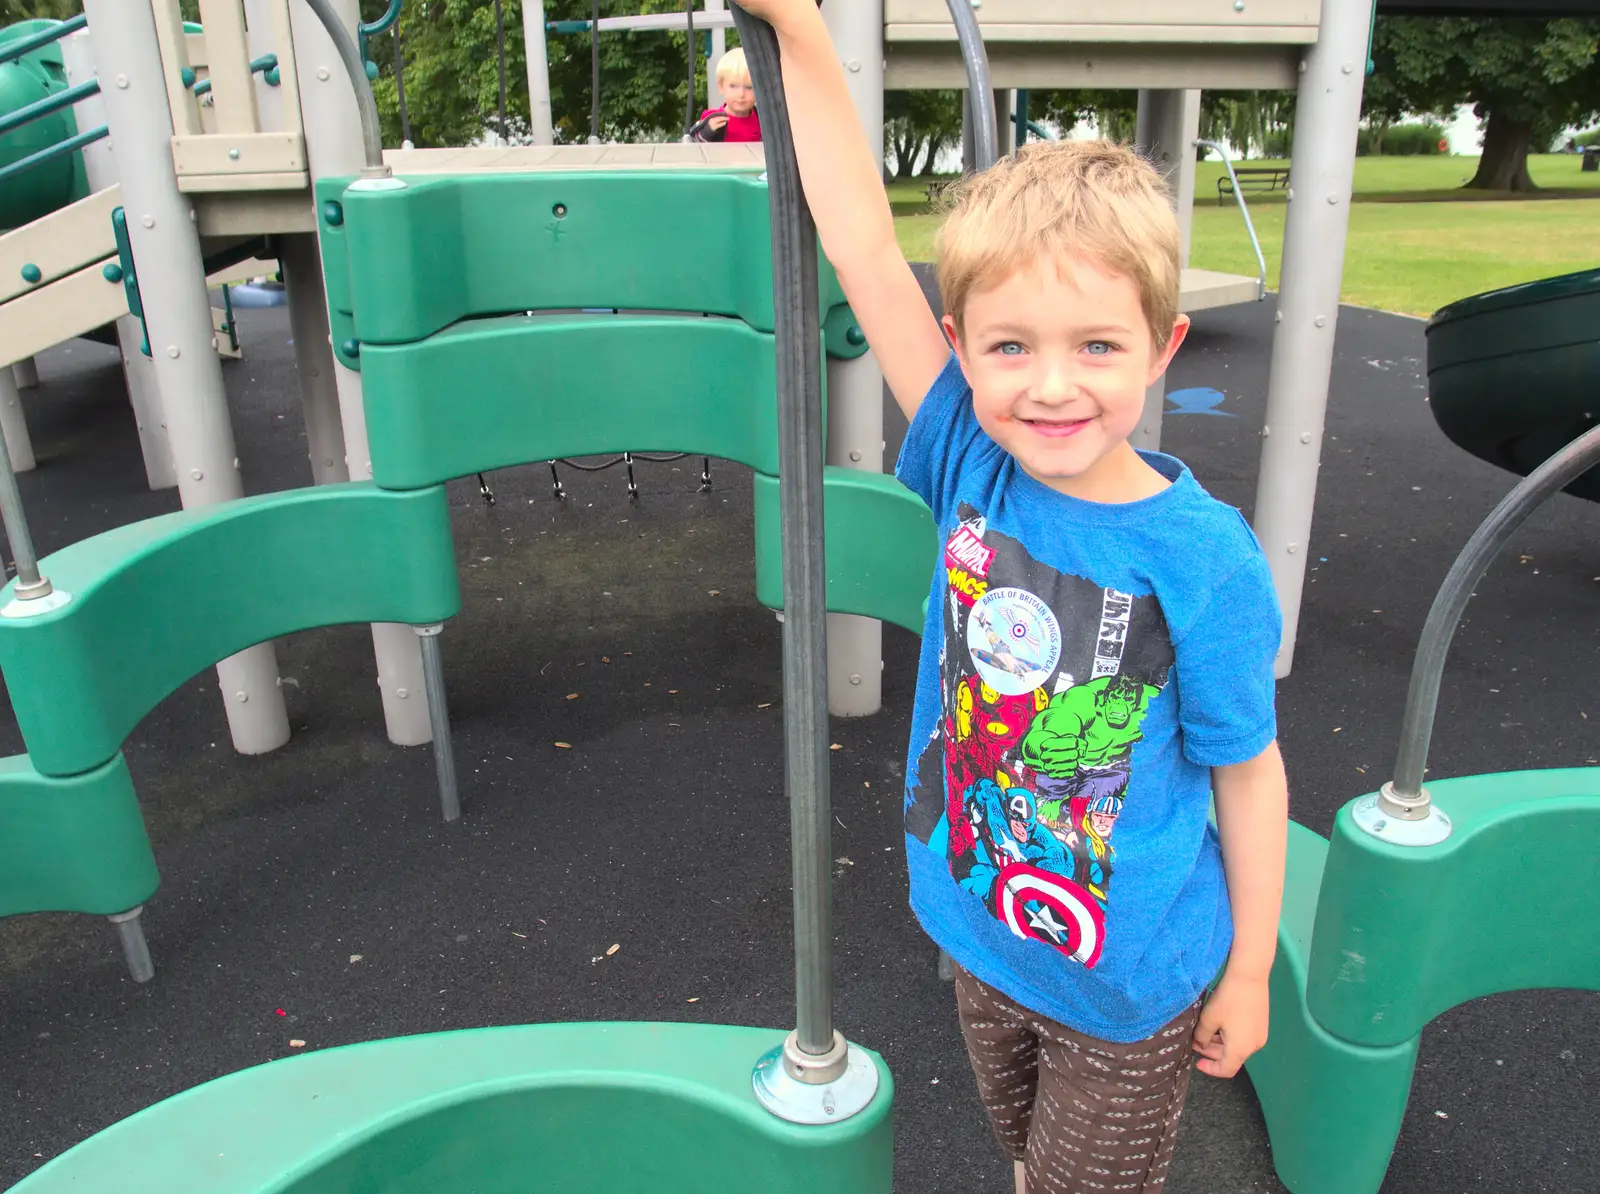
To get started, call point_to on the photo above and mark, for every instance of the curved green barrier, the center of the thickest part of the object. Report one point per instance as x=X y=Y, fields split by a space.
x=568 y=1108
x=1405 y=933
x=72 y=844
x=1511 y=373
x=491 y=393
x=35 y=76
x=155 y=602
x=881 y=545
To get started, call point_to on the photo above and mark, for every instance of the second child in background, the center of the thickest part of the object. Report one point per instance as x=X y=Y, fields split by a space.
x=737 y=119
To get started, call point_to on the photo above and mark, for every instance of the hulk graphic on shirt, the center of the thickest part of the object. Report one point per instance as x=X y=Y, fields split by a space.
x=1081 y=743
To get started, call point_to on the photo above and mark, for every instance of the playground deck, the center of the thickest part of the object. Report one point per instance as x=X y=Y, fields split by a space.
x=313 y=894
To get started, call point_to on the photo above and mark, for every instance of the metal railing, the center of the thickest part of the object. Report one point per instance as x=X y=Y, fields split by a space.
x=1244 y=210
x=51 y=103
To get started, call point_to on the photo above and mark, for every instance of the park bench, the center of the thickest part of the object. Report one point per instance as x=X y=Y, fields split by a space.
x=1255 y=178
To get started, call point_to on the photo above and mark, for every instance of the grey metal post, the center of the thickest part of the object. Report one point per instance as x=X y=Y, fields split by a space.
x=334 y=146
x=1318 y=220
x=135 y=949
x=980 y=111
x=816 y=1076
x=538 y=72
x=301 y=262
x=100 y=167
x=1168 y=125
x=14 y=424
x=855 y=388
x=31 y=586
x=172 y=283
x=444 y=758
x=719 y=47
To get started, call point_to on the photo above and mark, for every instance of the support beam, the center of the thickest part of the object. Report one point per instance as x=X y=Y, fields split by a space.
x=333 y=147
x=533 y=42
x=172 y=282
x=1168 y=123
x=100 y=167
x=719 y=47
x=1315 y=229
x=855 y=388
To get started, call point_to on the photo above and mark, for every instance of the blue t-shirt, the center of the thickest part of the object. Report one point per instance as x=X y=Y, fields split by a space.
x=1084 y=665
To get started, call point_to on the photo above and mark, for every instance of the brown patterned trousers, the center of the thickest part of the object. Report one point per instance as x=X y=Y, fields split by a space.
x=1083 y=1115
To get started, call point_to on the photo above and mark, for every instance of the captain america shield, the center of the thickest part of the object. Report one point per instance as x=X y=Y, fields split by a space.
x=1052 y=909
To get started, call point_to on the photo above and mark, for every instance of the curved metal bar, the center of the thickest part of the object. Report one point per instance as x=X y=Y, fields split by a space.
x=1249 y=224
x=980 y=91
x=26 y=45
x=800 y=448
x=1403 y=797
x=356 y=68
x=382 y=24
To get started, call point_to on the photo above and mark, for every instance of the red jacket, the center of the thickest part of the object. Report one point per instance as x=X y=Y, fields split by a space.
x=740 y=128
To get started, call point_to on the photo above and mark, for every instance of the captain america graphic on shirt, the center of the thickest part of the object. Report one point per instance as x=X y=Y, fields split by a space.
x=1046 y=680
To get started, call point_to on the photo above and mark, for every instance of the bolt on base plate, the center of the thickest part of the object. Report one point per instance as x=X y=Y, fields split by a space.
x=1371 y=818
x=788 y=1097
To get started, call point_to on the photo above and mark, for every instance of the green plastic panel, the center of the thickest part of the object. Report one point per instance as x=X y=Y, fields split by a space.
x=1404 y=934
x=882 y=547
x=155 y=602
x=74 y=844
x=540 y=1109
x=1333 y=1109
x=403 y=263
x=490 y=393
x=1559 y=310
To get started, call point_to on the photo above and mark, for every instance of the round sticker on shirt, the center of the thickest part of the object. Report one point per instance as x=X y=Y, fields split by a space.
x=1014 y=640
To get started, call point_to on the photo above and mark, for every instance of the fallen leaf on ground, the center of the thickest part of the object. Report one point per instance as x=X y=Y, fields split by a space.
x=696 y=999
x=563 y=746
x=354 y=958
x=572 y=696
x=297 y=1044
x=612 y=950
x=768 y=705
x=835 y=746
x=514 y=933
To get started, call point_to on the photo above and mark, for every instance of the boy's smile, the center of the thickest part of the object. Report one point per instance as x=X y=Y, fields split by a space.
x=1059 y=360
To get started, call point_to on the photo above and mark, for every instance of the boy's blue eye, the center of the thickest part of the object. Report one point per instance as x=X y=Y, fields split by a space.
x=1009 y=348
x=1100 y=348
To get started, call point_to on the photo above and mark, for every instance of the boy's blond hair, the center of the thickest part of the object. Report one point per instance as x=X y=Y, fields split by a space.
x=733 y=66
x=1064 y=199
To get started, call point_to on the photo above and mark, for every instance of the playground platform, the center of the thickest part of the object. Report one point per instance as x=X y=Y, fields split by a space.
x=313 y=895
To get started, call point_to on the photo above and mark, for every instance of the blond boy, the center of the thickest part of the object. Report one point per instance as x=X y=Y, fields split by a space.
x=737 y=119
x=1098 y=658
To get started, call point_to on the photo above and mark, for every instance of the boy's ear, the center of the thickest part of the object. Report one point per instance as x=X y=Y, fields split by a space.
x=953 y=338
x=1180 y=331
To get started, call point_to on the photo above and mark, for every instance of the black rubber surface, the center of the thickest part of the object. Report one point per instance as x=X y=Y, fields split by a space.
x=313 y=894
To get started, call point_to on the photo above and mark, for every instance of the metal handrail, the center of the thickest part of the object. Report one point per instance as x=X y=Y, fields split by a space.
x=1404 y=797
x=980 y=91
x=49 y=104
x=26 y=45
x=261 y=65
x=383 y=23
x=1244 y=210
x=355 y=66
x=50 y=153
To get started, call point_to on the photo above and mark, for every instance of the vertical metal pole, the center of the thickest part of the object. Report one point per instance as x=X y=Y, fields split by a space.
x=1020 y=116
x=1315 y=228
x=14 y=425
x=334 y=147
x=400 y=88
x=1005 y=128
x=25 y=373
x=719 y=47
x=135 y=950
x=800 y=447
x=313 y=356
x=100 y=167
x=980 y=111
x=30 y=584
x=538 y=71
x=1168 y=125
x=172 y=283
x=444 y=759
x=594 y=75
x=855 y=388
x=500 y=60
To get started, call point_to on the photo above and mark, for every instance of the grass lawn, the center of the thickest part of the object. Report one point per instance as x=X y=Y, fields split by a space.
x=1412 y=256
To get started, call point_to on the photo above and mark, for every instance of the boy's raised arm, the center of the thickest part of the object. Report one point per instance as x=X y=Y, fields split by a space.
x=845 y=192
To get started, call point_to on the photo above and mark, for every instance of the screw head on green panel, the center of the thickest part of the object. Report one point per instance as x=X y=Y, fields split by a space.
x=372 y=70
x=112 y=272
x=31 y=273
x=187 y=75
x=351 y=347
x=333 y=212
x=855 y=335
x=272 y=76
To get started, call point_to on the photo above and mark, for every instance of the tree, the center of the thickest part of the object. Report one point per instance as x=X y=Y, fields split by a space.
x=1527 y=79
x=919 y=125
x=452 y=80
